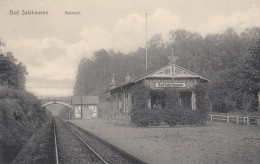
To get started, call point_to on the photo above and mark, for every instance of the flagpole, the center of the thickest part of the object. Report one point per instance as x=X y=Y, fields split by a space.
x=172 y=55
x=146 y=42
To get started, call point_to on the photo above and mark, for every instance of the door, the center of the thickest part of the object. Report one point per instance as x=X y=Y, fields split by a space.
x=186 y=100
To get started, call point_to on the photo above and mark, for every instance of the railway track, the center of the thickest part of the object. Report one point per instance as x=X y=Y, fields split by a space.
x=75 y=145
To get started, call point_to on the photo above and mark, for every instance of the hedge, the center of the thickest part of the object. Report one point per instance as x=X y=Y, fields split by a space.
x=145 y=117
x=173 y=114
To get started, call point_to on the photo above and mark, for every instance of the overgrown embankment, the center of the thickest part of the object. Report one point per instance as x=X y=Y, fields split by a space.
x=40 y=147
x=20 y=117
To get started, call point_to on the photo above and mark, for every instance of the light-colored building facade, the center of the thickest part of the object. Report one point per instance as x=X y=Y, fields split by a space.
x=85 y=107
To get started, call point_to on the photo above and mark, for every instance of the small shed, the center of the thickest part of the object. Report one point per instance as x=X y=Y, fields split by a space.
x=85 y=107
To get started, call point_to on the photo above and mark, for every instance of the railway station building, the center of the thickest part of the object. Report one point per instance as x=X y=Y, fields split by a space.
x=170 y=76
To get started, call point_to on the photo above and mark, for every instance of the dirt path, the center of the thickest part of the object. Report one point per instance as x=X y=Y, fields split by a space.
x=213 y=143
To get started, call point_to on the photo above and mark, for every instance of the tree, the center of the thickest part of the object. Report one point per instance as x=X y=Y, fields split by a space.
x=157 y=52
x=12 y=73
x=218 y=57
x=252 y=74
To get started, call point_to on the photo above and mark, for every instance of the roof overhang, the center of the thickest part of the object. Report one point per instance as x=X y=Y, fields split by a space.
x=158 y=73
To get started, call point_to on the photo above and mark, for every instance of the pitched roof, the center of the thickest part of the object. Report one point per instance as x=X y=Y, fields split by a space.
x=85 y=100
x=151 y=74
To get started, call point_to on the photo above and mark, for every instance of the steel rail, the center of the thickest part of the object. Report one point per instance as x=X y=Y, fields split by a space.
x=124 y=154
x=85 y=143
x=56 y=147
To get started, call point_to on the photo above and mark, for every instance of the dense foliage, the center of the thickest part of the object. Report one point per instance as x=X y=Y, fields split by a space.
x=222 y=58
x=20 y=116
x=12 y=73
x=251 y=72
x=141 y=93
x=20 y=112
x=202 y=100
x=173 y=114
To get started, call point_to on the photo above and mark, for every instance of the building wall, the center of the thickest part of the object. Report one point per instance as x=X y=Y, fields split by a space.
x=193 y=101
x=121 y=104
x=88 y=111
x=122 y=101
x=77 y=111
x=184 y=84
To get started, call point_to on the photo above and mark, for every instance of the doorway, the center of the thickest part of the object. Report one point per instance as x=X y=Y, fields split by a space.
x=185 y=100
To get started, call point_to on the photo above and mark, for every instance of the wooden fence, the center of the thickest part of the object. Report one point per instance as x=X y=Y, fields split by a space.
x=235 y=119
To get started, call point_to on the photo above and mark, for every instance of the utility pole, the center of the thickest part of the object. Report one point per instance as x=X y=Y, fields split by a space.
x=146 y=42
x=172 y=55
x=81 y=99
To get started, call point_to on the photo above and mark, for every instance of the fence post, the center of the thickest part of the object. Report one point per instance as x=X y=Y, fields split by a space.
x=237 y=119
x=247 y=120
x=258 y=121
x=211 y=117
x=227 y=119
x=244 y=120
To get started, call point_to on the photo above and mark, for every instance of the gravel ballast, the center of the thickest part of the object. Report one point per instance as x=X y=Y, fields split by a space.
x=108 y=152
x=70 y=148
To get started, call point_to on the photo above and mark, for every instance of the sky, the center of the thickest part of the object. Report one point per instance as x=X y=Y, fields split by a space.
x=52 y=45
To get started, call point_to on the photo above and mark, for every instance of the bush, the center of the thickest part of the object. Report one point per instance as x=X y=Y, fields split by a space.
x=140 y=116
x=173 y=114
x=184 y=117
x=221 y=107
x=173 y=117
x=22 y=115
x=143 y=117
x=173 y=109
x=202 y=99
x=193 y=118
